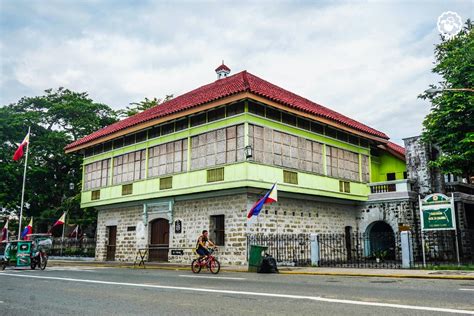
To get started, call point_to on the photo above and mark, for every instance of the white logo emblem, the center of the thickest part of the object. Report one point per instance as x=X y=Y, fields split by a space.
x=449 y=24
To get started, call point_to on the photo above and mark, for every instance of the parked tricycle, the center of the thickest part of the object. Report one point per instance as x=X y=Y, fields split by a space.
x=27 y=253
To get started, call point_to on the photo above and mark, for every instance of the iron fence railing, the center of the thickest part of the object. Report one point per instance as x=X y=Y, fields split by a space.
x=440 y=247
x=73 y=247
x=356 y=250
x=287 y=249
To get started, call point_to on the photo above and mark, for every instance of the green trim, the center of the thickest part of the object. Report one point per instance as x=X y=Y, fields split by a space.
x=193 y=131
x=244 y=174
x=229 y=121
x=325 y=166
x=188 y=153
x=146 y=162
x=111 y=177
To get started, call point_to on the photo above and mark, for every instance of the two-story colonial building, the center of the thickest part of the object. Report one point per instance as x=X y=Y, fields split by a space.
x=202 y=159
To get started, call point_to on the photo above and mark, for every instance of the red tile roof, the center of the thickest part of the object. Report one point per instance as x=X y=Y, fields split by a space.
x=240 y=82
x=223 y=67
x=396 y=148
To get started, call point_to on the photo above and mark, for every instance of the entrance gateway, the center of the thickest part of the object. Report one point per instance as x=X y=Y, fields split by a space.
x=158 y=216
x=159 y=240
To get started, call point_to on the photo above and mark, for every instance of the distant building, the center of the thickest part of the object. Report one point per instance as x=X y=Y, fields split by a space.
x=202 y=159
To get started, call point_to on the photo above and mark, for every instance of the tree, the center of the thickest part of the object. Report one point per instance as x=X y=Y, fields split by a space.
x=137 y=107
x=450 y=124
x=56 y=119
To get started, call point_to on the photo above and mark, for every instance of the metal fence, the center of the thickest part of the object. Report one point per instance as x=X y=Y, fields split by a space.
x=287 y=249
x=441 y=249
x=70 y=247
x=373 y=250
x=355 y=250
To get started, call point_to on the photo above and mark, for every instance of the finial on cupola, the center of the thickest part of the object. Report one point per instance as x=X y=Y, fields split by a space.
x=222 y=71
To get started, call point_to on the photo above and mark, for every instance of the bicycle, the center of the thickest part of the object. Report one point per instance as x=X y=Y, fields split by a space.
x=210 y=262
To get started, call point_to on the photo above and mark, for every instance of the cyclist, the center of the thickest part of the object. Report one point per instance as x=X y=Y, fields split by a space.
x=202 y=245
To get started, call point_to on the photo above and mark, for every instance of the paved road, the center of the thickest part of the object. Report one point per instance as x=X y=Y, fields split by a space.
x=114 y=291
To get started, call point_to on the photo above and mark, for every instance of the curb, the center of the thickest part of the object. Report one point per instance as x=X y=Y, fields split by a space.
x=399 y=276
x=346 y=274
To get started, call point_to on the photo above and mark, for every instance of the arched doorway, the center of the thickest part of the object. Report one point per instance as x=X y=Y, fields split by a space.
x=381 y=240
x=159 y=237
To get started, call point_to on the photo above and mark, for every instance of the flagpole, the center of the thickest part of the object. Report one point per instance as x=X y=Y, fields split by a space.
x=23 y=188
x=62 y=237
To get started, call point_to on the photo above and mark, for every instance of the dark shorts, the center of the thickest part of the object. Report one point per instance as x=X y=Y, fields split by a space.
x=202 y=251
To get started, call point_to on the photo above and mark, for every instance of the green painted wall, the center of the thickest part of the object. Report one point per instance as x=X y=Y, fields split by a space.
x=244 y=174
x=386 y=163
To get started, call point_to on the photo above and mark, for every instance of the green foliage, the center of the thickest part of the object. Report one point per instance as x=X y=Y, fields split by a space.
x=381 y=254
x=137 y=107
x=56 y=118
x=450 y=124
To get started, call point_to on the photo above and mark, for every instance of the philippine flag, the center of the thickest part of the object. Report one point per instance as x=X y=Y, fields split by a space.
x=268 y=198
x=20 y=151
x=27 y=231
x=60 y=221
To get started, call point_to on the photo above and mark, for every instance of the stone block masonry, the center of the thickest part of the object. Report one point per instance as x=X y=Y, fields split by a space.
x=288 y=216
x=124 y=218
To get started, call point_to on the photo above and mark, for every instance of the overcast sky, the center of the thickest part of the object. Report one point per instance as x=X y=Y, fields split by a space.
x=367 y=60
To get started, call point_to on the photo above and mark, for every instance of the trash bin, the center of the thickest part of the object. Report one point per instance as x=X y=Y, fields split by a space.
x=256 y=257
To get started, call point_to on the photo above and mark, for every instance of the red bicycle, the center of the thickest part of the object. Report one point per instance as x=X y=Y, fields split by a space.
x=210 y=262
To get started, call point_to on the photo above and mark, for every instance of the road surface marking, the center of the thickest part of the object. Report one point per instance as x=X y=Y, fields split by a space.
x=254 y=294
x=466 y=289
x=209 y=277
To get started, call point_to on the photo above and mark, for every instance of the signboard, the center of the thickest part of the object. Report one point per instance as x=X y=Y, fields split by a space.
x=177 y=252
x=178 y=227
x=437 y=212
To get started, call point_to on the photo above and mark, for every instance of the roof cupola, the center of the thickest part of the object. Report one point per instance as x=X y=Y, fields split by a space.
x=222 y=71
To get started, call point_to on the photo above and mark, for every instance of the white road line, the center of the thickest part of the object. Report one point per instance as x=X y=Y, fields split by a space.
x=466 y=289
x=209 y=277
x=301 y=297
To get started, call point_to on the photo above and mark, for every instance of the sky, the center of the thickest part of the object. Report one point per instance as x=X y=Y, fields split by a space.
x=367 y=60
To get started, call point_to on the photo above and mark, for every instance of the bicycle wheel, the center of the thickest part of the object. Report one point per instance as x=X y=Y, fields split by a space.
x=196 y=266
x=43 y=261
x=214 y=266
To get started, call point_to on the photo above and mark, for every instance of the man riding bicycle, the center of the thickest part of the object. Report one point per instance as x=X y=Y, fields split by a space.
x=202 y=245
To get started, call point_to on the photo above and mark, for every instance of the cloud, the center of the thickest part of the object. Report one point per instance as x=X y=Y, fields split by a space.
x=366 y=60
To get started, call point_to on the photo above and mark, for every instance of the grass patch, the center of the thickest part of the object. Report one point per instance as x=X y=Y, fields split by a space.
x=450 y=267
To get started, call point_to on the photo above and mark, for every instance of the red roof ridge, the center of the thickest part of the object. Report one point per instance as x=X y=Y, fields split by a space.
x=396 y=148
x=240 y=82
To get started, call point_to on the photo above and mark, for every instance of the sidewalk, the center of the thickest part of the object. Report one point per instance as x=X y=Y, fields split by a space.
x=389 y=273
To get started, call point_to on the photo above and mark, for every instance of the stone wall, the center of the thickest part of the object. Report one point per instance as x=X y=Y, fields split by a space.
x=127 y=241
x=195 y=217
x=288 y=216
x=295 y=216
x=394 y=213
x=425 y=180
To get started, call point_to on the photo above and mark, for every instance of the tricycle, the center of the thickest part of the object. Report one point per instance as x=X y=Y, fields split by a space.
x=24 y=253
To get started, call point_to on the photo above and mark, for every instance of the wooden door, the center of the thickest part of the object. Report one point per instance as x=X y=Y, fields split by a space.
x=159 y=241
x=112 y=242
